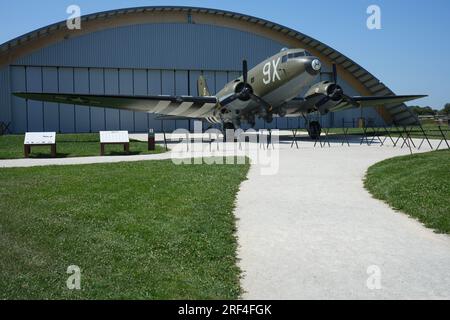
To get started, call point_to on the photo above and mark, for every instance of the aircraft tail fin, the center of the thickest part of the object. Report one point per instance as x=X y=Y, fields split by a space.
x=202 y=87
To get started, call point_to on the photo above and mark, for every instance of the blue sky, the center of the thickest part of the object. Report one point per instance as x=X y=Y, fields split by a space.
x=410 y=53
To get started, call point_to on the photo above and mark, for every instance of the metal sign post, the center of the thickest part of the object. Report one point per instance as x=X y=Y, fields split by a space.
x=151 y=140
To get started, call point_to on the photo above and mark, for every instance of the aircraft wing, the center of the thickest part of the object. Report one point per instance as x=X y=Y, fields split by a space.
x=299 y=106
x=179 y=106
x=371 y=101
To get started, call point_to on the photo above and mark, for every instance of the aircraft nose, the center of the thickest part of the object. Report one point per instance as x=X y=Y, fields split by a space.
x=313 y=65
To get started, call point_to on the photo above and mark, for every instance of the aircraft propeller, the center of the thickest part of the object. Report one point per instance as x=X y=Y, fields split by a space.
x=245 y=71
x=336 y=93
x=253 y=96
x=334 y=73
x=345 y=97
x=244 y=91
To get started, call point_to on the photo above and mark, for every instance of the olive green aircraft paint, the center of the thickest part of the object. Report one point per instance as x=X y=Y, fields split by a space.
x=268 y=75
x=202 y=87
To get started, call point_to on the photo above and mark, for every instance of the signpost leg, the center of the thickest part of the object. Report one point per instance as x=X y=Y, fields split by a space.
x=151 y=140
x=165 y=140
x=26 y=150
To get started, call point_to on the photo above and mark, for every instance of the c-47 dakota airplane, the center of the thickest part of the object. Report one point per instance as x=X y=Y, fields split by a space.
x=269 y=89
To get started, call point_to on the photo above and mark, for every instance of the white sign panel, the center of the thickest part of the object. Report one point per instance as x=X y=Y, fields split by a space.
x=40 y=138
x=114 y=137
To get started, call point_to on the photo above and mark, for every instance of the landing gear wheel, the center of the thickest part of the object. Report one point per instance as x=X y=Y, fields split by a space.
x=228 y=126
x=269 y=118
x=251 y=120
x=314 y=130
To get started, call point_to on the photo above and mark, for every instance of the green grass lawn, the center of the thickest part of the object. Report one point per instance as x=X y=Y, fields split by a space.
x=69 y=145
x=141 y=230
x=418 y=185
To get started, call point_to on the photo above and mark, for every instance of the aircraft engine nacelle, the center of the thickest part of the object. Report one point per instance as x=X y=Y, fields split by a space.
x=282 y=110
x=243 y=89
x=324 y=95
x=326 y=88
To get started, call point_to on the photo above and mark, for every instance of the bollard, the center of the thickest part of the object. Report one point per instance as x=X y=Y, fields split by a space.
x=151 y=140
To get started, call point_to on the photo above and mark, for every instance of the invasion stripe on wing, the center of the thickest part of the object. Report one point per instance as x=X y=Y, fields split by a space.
x=181 y=110
x=212 y=120
x=161 y=106
x=203 y=110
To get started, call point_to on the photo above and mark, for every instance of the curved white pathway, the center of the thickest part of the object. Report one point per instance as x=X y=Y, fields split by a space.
x=312 y=231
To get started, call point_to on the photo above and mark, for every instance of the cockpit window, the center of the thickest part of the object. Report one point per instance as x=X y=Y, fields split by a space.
x=292 y=56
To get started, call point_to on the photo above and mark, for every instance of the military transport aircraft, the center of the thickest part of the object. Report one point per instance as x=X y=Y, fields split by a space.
x=269 y=89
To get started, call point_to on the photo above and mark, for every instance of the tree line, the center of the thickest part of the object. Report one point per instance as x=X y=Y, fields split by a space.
x=428 y=111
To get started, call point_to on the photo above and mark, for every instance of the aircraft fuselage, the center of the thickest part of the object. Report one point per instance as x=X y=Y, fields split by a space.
x=277 y=80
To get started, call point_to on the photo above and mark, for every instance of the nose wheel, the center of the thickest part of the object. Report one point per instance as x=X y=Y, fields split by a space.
x=226 y=126
x=251 y=121
x=314 y=129
x=269 y=118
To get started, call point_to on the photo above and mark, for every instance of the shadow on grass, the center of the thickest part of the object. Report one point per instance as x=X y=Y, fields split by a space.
x=47 y=155
x=42 y=155
x=122 y=153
